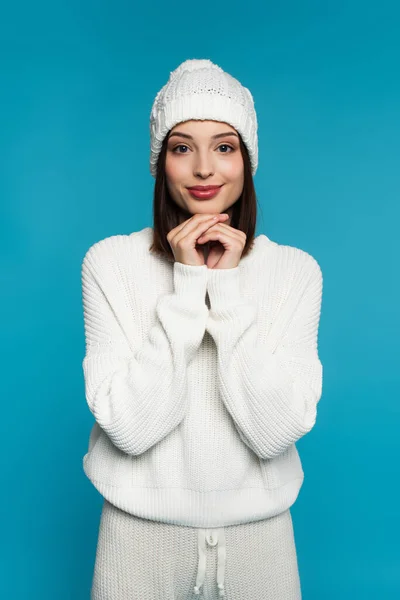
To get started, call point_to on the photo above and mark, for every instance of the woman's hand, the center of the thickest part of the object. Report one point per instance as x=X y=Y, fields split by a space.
x=183 y=238
x=226 y=246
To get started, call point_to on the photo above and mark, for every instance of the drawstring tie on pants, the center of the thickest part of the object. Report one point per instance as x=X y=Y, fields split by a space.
x=213 y=537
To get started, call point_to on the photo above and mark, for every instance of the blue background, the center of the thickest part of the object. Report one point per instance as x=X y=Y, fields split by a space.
x=77 y=83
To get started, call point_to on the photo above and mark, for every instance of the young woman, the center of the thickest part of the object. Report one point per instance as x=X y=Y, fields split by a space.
x=201 y=367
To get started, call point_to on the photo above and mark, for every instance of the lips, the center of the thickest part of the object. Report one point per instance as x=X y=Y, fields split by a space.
x=204 y=192
x=204 y=188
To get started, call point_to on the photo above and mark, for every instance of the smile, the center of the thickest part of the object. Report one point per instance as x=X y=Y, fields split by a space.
x=205 y=194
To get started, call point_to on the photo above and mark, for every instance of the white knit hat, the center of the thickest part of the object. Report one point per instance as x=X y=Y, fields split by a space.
x=200 y=89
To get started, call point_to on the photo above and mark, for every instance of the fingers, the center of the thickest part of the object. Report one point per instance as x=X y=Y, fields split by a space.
x=191 y=229
x=218 y=230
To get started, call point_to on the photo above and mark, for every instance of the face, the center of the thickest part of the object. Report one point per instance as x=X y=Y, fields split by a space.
x=204 y=153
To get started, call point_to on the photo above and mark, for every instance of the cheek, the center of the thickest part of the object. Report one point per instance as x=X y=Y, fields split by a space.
x=233 y=169
x=175 y=170
x=169 y=170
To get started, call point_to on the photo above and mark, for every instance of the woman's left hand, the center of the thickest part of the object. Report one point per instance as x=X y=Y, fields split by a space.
x=226 y=246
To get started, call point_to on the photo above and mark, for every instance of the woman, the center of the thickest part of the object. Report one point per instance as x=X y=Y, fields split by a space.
x=201 y=367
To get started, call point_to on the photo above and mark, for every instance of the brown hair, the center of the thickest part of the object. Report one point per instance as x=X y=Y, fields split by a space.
x=167 y=214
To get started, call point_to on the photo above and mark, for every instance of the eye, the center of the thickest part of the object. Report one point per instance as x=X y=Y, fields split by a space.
x=226 y=146
x=220 y=146
x=180 y=146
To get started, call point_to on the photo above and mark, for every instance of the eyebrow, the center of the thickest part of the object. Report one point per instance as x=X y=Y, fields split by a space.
x=213 y=137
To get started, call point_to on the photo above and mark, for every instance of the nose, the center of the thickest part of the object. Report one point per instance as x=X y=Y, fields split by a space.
x=204 y=173
x=203 y=166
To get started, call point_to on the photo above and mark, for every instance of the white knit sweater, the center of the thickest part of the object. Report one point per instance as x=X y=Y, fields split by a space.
x=198 y=402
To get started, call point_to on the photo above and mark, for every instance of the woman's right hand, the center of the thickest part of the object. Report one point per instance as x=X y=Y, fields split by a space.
x=183 y=238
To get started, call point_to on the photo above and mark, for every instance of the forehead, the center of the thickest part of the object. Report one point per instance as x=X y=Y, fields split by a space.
x=202 y=127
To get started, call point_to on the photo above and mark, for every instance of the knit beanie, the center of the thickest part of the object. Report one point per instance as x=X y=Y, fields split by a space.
x=200 y=89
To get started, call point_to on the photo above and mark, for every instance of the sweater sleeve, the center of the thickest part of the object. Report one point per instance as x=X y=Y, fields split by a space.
x=138 y=397
x=271 y=389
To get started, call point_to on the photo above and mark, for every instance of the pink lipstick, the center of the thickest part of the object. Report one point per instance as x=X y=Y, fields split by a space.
x=204 y=192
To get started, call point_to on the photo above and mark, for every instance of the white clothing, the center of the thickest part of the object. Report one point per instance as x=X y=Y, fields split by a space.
x=197 y=409
x=139 y=559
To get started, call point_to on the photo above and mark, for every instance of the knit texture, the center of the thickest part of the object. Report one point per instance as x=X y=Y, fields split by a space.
x=139 y=559
x=198 y=402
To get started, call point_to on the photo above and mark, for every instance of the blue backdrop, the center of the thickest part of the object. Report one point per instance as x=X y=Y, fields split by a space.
x=77 y=83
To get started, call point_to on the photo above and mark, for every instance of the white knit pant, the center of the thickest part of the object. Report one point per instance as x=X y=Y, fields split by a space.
x=140 y=559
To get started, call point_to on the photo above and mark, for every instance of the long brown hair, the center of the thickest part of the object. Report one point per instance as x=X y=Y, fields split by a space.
x=167 y=214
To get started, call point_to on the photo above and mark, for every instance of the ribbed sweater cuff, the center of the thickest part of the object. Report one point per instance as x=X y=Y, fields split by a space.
x=190 y=281
x=224 y=287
